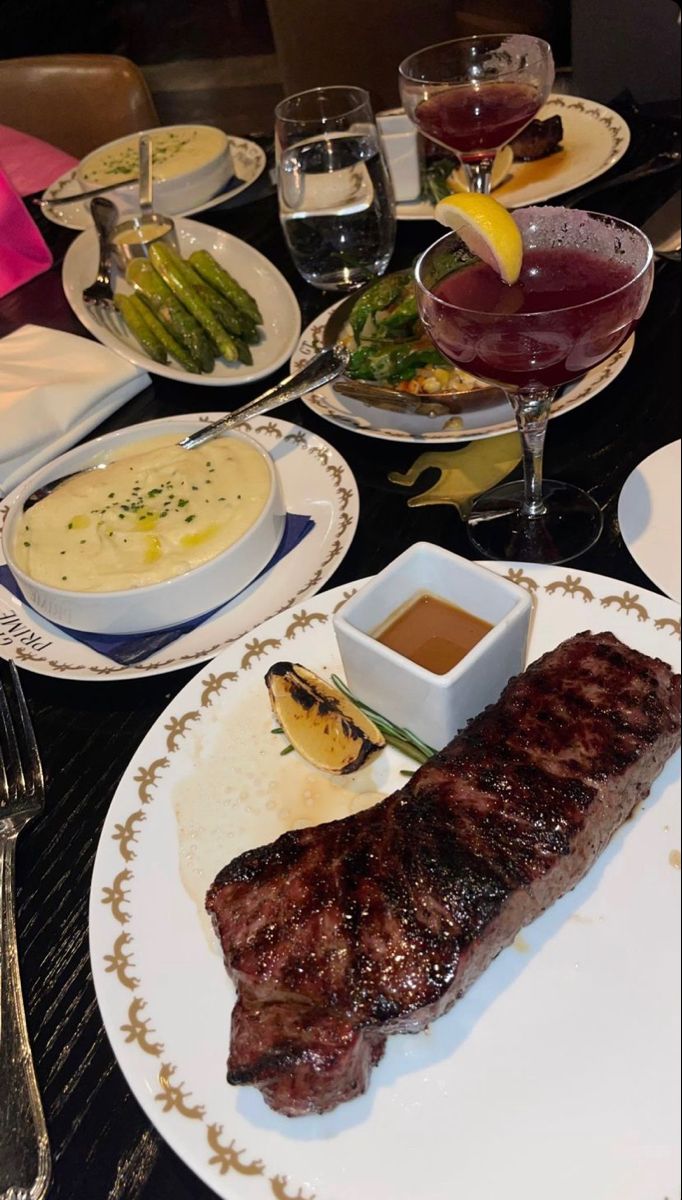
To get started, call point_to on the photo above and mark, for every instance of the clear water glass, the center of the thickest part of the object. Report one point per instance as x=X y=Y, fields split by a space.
x=336 y=202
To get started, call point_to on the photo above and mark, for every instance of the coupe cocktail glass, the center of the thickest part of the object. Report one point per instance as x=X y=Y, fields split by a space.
x=585 y=282
x=474 y=95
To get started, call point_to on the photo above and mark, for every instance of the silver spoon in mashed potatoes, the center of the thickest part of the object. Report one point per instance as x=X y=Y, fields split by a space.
x=323 y=368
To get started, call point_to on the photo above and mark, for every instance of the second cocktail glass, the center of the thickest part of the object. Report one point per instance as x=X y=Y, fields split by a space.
x=585 y=282
x=473 y=95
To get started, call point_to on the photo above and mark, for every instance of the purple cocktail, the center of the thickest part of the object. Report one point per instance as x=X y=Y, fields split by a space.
x=473 y=95
x=584 y=284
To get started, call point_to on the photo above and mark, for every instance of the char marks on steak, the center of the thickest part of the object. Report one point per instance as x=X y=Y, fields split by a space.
x=340 y=934
x=538 y=139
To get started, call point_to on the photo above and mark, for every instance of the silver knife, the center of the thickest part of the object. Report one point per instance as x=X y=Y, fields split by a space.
x=663 y=227
x=44 y=202
x=57 y=201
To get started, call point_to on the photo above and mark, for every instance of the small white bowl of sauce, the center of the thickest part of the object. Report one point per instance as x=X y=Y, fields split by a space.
x=432 y=640
x=132 y=238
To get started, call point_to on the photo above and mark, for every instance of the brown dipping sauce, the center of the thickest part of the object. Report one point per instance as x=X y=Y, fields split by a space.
x=432 y=633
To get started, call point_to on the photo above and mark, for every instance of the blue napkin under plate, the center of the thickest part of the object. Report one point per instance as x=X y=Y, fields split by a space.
x=130 y=648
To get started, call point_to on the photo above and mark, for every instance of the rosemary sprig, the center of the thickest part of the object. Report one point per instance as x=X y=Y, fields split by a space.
x=287 y=749
x=396 y=735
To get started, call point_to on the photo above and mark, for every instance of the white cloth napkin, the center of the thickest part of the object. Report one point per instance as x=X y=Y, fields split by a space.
x=54 y=388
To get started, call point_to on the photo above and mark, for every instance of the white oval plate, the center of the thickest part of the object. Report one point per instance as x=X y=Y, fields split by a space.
x=281 y=315
x=248 y=160
x=410 y=427
x=649 y=518
x=559 y=1064
x=595 y=138
x=316 y=481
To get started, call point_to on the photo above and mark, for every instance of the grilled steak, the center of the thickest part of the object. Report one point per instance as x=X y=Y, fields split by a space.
x=538 y=139
x=340 y=934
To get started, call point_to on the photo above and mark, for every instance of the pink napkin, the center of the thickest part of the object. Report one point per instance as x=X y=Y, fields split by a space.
x=32 y=165
x=23 y=253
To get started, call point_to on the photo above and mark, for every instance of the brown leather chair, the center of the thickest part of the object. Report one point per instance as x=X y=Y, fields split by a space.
x=75 y=101
x=362 y=42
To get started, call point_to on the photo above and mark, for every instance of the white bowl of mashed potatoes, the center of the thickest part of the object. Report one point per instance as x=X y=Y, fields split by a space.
x=190 y=164
x=159 y=536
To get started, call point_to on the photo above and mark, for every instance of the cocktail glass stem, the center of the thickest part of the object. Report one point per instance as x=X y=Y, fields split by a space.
x=479 y=175
x=531 y=409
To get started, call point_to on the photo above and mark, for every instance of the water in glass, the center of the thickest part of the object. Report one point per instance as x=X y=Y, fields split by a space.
x=336 y=204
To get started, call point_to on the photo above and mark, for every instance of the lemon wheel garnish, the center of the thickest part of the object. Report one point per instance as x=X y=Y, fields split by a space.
x=324 y=726
x=487 y=229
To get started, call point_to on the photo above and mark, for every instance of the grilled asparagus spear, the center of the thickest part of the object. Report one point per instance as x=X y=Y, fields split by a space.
x=141 y=275
x=134 y=310
x=218 y=278
x=237 y=324
x=163 y=258
x=140 y=328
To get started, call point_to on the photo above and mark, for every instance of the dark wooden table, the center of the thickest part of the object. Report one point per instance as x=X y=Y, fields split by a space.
x=103 y=1146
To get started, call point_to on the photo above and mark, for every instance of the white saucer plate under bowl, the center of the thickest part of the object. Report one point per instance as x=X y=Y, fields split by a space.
x=316 y=482
x=248 y=160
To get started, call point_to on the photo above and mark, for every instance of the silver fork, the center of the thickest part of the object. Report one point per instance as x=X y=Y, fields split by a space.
x=105 y=216
x=25 y=1166
x=99 y=296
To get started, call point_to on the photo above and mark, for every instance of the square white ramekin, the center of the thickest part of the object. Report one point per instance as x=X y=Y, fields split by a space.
x=433 y=706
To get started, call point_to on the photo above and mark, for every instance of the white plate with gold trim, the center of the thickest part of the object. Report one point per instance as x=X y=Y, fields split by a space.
x=248 y=160
x=595 y=138
x=316 y=481
x=482 y=422
x=564 y=1052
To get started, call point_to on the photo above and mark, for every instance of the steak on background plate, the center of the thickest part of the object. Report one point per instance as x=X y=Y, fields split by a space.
x=341 y=934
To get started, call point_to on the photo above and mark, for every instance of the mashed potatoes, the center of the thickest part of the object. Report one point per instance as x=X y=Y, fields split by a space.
x=149 y=516
x=175 y=150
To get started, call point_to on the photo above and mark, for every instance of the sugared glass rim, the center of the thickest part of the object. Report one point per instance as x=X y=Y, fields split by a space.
x=475 y=39
x=362 y=95
x=603 y=218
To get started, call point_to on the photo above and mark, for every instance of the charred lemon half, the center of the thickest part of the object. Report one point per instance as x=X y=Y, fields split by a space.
x=326 y=728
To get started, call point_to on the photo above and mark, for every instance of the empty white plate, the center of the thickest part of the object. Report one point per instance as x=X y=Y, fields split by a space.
x=649 y=517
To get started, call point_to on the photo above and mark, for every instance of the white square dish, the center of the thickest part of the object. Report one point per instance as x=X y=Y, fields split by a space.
x=433 y=706
x=399 y=140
